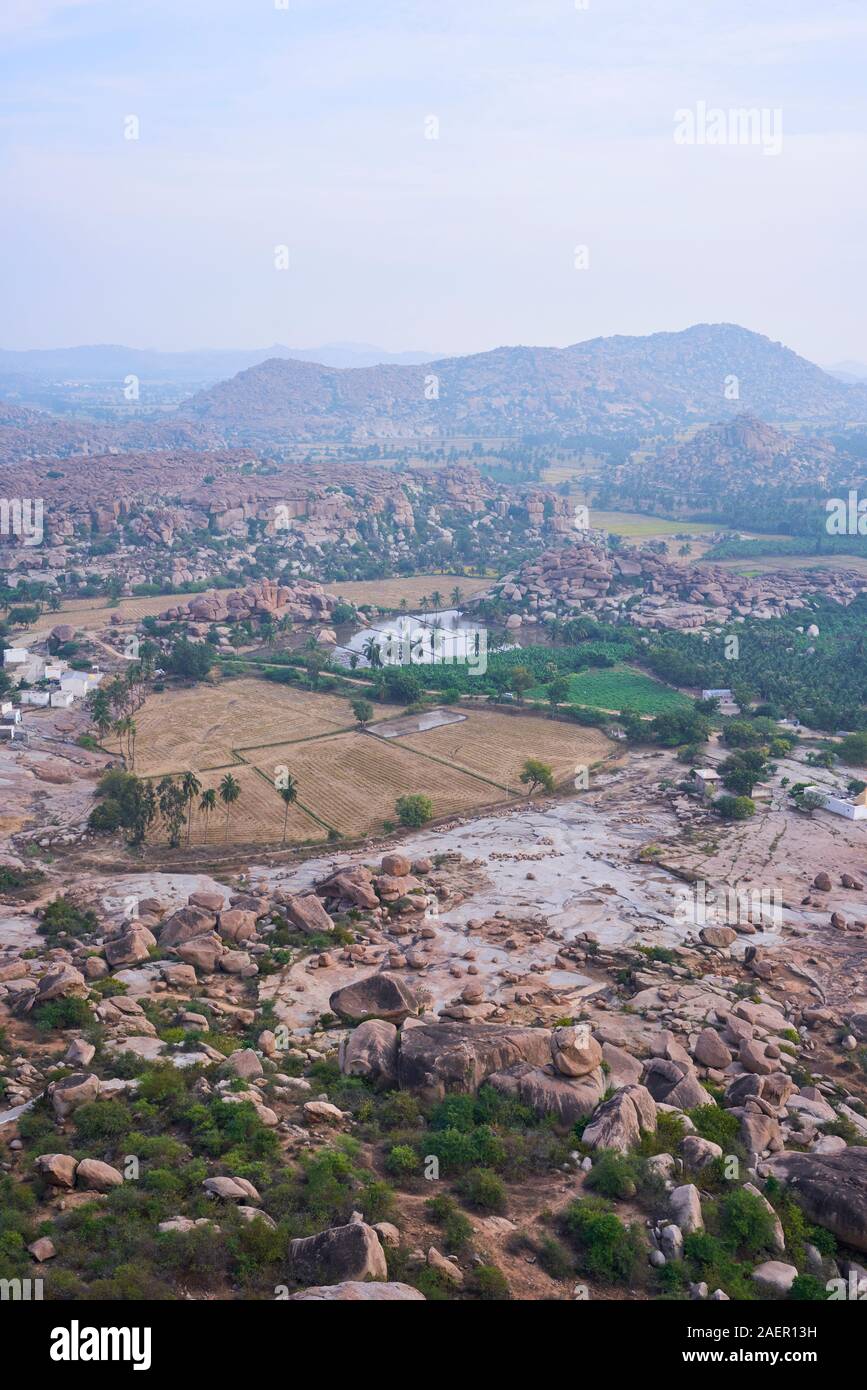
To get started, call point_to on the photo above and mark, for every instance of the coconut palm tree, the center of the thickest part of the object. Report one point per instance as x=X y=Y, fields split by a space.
x=372 y=652
x=436 y=599
x=229 y=793
x=457 y=595
x=208 y=806
x=190 y=786
x=289 y=793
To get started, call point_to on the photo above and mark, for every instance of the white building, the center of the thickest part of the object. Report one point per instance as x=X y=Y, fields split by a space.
x=15 y=656
x=54 y=670
x=716 y=694
x=13 y=732
x=9 y=713
x=35 y=697
x=80 y=683
x=853 y=808
x=61 y=699
x=707 y=779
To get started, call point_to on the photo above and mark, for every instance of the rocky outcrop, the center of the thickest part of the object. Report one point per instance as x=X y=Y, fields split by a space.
x=352 y=1252
x=831 y=1188
x=437 y=1058
x=371 y=1051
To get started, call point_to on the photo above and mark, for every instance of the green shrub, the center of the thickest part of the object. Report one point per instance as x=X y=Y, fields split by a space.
x=483 y=1189
x=555 y=1259
x=719 y=1126
x=806 y=1288
x=489 y=1283
x=746 y=1226
x=606 y=1248
x=612 y=1175
x=402 y=1161
x=62 y=1013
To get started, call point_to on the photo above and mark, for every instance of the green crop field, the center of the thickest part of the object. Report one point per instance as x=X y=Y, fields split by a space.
x=617 y=688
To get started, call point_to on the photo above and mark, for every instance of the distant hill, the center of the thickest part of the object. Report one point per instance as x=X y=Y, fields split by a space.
x=112 y=362
x=743 y=472
x=635 y=386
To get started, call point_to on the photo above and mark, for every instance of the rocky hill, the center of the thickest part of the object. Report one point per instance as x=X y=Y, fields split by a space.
x=616 y=385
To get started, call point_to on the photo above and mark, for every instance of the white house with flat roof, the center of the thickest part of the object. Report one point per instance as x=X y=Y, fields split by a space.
x=15 y=656
x=853 y=808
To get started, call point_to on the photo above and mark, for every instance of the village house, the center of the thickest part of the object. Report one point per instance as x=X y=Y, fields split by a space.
x=706 y=780
x=853 y=808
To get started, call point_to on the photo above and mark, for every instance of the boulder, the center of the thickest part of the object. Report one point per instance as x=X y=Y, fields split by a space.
x=686 y=1208
x=831 y=1188
x=211 y=902
x=623 y=1068
x=131 y=948
x=307 y=913
x=719 y=937
x=675 y=1084
x=231 y=1189
x=574 y=1051
x=73 y=1090
x=351 y=1252
x=243 y=1063
x=437 y=1058
x=237 y=925
x=354 y=1292
x=57 y=1169
x=619 y=1122
x=711 y=1051
x=697 y=1153
x=382 y=996
x=60 y=982
x=203 y=953
x=567 y=1098
x=186 y=925
x=774 y=1276
x=370 y=1050
x=96 y=1176
x=396 y=865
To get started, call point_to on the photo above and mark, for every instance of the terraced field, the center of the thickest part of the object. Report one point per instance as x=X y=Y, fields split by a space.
x=200 y=727
x=353 y=780
x=497 y=745
x=257 y=815
x=348 y=780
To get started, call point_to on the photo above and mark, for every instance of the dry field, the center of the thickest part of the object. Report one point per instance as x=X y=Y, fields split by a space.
x=352 y=780
x=257 y=815
x=387 y=593
x=497 y=745
x=347 y=779
x=200 y=727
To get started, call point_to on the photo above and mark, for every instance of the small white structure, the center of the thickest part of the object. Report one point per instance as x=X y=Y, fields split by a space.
x=9 y=713
x=54 y=670
x=61 y=699
x=854 y=808
x=39 y=698
x=80 y=683
x=12 y=732
x=15 y=656
x=716 y=694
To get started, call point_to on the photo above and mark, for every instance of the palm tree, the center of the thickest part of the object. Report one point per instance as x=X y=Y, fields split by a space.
x=436 y=599
x=372 y=652
x=229 y=793
x=457 y=596
x=190 y=786
x=289 y=793
x=207 y=806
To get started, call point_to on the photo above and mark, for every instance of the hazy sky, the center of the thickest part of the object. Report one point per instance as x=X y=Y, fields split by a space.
x=305 y=126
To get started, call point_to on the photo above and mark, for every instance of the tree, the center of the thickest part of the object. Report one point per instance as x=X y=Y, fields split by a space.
x=192 y=660
x=414 y=810
x=853 y=749
x=207 y=806
x=190 y=786
x=734 y=807
x=172 y=805
x=743 y=770
x=372 y=653
x=457 y=595
x=535 y=774
x=124 y=801
x=100 y=711
x=363 y=711
x=229 y=793
x=521 y=679
x=558 y=691
x=289 y=792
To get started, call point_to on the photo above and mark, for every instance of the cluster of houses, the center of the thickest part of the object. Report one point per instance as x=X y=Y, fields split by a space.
x=59 y=687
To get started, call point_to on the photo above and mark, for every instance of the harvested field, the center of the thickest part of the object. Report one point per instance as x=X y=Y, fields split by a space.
x=257 y=815
x=497 y=745
x=347 y=780
x=387 y=593
x=353 y=780
x=201 y=726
